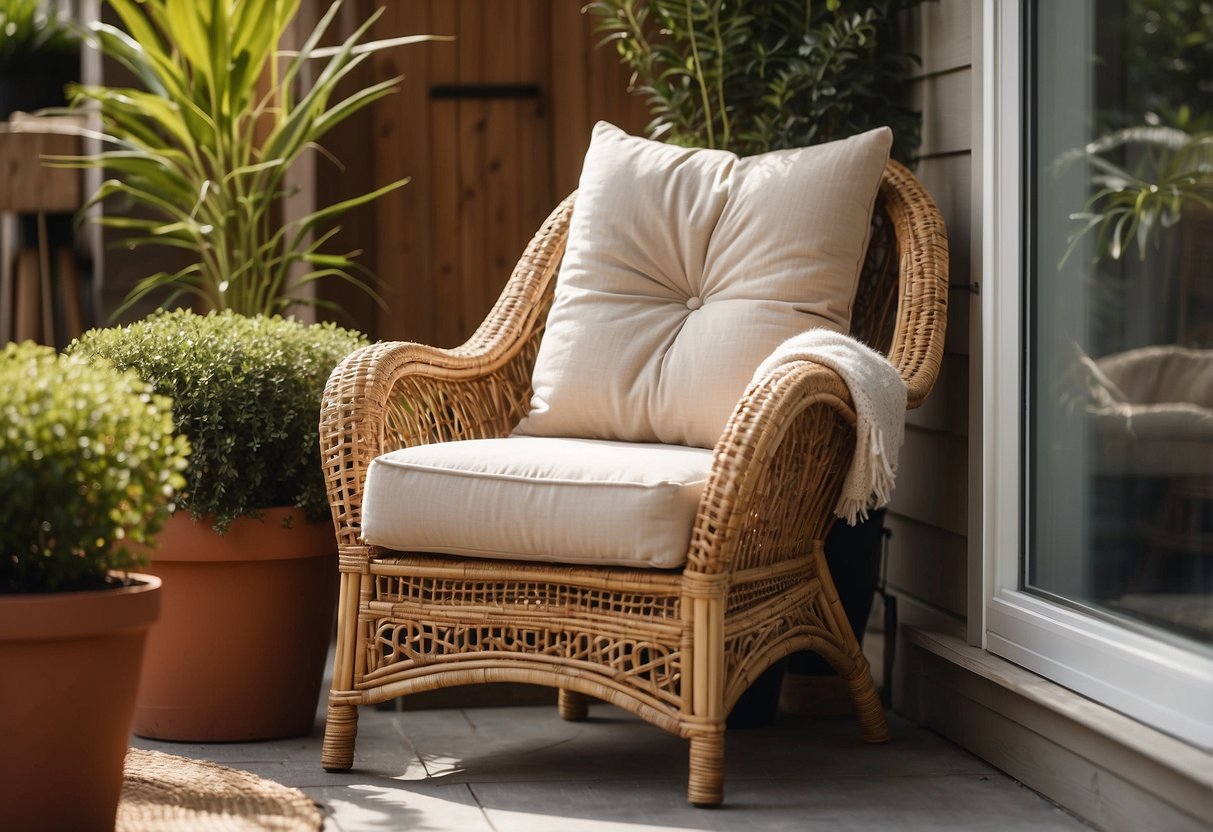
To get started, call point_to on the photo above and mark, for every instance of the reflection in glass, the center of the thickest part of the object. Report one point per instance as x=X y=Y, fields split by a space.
x=1120 y=299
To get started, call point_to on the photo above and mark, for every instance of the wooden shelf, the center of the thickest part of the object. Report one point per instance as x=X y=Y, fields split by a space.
x=39 y=295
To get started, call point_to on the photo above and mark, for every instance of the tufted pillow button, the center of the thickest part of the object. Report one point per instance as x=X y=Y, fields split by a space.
x=694 y=303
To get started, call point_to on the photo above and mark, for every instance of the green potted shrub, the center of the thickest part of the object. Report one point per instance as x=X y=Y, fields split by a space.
x=39 y=56
x=766 y=75
x=251 y=553
x=89 y=466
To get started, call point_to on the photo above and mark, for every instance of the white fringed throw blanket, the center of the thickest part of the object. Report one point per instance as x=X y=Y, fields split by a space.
x=880 y=406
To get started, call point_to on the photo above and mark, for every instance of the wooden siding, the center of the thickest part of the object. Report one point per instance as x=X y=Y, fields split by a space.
x=929 y=516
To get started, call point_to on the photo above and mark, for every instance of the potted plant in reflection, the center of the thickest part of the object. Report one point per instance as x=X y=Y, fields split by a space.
x=89 y=466
x=1132 y=206
x=1146 y=227
x=198 y=160
x=767 y=75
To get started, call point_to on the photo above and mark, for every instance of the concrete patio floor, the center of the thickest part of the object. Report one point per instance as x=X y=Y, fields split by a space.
x=523 y=769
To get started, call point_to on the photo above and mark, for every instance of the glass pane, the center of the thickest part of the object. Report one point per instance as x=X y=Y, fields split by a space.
x=1120 y=323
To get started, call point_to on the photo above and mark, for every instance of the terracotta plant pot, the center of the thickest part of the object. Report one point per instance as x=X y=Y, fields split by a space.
x=69 y=668
x=239 y=651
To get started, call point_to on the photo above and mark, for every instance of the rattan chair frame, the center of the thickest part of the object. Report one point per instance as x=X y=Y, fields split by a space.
x=675 y=647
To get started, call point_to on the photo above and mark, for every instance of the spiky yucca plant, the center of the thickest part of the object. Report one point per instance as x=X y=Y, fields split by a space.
x=199 y=156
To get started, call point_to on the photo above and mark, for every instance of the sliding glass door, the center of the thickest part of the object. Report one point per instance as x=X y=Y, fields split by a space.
x=1108 y=239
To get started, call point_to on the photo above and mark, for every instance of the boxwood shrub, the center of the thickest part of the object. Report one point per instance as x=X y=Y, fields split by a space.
x=89 y=462
x=247 y=395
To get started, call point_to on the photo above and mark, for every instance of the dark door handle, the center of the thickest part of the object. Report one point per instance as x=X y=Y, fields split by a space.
x=448 y=91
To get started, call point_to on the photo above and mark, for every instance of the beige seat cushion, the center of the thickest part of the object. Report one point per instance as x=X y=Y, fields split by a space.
x=528 y=498
x=685 y=268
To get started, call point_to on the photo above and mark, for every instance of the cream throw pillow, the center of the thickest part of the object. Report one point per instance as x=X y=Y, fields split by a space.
x=684 y=269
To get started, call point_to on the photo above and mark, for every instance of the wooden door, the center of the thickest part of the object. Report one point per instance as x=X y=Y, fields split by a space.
x=491 y=128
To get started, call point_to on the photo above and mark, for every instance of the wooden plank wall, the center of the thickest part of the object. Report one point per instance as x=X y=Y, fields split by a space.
x=930 y=509
x=485 y=171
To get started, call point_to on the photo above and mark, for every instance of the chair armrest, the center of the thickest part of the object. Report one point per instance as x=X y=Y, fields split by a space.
x=778 y=471
x=922 y=310
x=396 y=394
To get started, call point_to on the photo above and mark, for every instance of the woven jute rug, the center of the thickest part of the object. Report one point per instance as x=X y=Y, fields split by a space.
x=163 y=793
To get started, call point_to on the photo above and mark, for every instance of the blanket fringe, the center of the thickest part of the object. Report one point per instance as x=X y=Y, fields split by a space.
x=879 y=394
x=854 y=509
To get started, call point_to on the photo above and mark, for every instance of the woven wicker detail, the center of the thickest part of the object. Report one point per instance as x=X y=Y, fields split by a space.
x=872 y=316
x=423 y=412
x=916 y=347
x=781 y=518
x=704 y=585
x=647 y=665
x=529 y=597
x=796 y=620
x=354 y=558
x=632 y=637
x=745 y=596
x=799 y=423
x=675 y=649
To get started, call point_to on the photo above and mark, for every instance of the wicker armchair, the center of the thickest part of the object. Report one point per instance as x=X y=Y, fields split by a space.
x=675 y=647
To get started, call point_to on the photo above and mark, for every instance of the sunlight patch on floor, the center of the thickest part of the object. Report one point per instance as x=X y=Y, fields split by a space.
x=401 y=805
x=431 y=766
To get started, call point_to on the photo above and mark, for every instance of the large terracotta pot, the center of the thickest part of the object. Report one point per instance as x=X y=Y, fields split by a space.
x=238 y=653
x=69 y=668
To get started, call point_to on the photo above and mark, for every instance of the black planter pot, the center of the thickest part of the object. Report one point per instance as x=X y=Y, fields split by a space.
x=853 y=554
x=37 y=82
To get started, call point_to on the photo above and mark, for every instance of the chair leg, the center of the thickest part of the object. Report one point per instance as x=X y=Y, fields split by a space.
x=705 y=788
x=341 y=721
x=340 y=731
x=868 y=708
x=573 y=706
